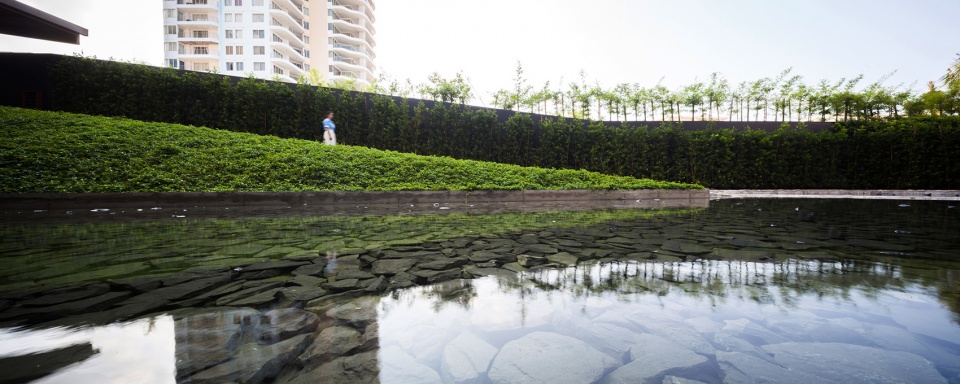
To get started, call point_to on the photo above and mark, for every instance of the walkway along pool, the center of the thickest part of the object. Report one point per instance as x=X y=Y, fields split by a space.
x=745 y=290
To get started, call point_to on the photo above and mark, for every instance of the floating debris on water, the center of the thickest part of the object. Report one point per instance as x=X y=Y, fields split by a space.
x=155 y=209
x=902 y=232
x=903 y=205
x=39 y=210
x=100 y=210
x=893 y=253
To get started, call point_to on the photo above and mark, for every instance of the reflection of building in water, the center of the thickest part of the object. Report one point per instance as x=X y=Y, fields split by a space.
x=280 y=345
x=205 y=339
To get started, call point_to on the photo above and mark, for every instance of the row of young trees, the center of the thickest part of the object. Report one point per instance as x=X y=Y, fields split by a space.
x=784 y=97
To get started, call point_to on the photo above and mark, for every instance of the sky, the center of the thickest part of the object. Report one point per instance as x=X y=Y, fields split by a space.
x=612 y=41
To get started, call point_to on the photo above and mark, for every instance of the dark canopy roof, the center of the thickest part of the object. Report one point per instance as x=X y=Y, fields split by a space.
x=22 y=20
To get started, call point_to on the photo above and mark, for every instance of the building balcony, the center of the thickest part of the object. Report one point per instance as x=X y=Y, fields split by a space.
x=359 y=3
x=354 y=51
x=186 y=22
x=286 y=37
x=189 y=38
x=348 y=12
x=280 y=18
x=287 y=19
x=291 y=68
x=289 y=52
x=189 y=55
x=293 y=10
x=338 y=76
x=350 y=38
x=353 y=34
x=345 y=64
x=213 y=5
x=349 y=24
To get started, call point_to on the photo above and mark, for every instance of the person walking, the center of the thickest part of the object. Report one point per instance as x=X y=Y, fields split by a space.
x=329 y=128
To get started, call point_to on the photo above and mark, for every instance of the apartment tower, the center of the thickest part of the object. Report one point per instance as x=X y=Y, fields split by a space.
x=283 y=39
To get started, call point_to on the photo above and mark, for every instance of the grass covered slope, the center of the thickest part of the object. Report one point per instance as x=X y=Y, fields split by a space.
x=64 y=152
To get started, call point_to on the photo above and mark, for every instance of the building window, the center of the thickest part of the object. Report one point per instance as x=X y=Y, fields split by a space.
x=239 y=65
x=169 y=47
x=200 y=34
x=229 y=33
x=259 y=50
x=199 y=50
x=239 y=17
x=306 y=39
x=306 y=25
x=306 y=53
x=277 y=39
x=201 y=66
x=170 y=29
x=239 y=49
x=199 y=17
x=277 y=70
x=257 y=17
x=229 y=66
x=306 y=11
x=258 y=34
x=277 y=55
x=172 y=63
x=228 y=17
x=238 y=33
x=229 y=50
x=306 y=67
x=259 y=66
x=169 y=13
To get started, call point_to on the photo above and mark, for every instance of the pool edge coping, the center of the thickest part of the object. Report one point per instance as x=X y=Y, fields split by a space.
x=876 y=194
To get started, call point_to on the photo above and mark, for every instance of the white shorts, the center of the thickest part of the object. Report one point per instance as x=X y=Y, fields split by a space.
x=329 y=137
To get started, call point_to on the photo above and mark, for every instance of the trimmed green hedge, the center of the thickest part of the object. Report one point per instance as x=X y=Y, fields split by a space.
x=916 y=152
x=64 y=152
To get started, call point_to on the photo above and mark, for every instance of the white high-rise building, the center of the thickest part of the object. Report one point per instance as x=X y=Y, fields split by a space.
x=282 y=39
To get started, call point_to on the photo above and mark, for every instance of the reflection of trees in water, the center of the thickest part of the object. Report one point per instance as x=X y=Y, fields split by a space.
x=458 y=292
x=716 y=280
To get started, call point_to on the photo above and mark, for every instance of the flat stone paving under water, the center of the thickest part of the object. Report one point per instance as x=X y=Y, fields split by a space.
x=801 y=290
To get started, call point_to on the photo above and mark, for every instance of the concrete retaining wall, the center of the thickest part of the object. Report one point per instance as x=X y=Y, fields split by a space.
x=232 y=204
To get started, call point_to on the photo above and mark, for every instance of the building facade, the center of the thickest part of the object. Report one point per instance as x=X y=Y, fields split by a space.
x=283 y=39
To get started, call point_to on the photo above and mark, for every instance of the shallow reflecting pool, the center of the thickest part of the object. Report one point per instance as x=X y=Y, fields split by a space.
x=743 y=291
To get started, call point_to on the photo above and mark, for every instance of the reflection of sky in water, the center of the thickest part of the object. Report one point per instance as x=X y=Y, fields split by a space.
x=141 y=351
x=709 y=307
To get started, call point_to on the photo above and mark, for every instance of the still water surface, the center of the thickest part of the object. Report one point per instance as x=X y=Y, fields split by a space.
x=743 y=291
